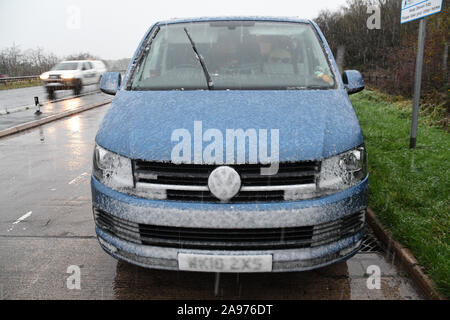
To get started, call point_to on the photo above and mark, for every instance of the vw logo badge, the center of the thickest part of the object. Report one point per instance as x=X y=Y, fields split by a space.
x=224 y=183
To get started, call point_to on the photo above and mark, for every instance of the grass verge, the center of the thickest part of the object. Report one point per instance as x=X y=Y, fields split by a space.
x=20 y=84
x=409 y=189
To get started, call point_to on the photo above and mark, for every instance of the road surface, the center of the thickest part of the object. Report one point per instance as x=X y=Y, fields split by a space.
x=17 y=99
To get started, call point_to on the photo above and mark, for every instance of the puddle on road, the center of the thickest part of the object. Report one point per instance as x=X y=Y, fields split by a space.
x=103 y=277
x=341 y=281
x=71 y=104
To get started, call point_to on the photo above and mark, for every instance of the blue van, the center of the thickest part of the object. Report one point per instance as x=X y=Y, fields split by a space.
x=231 y=146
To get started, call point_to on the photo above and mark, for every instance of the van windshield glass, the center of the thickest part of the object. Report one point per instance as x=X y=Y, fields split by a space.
x=66 y=66
x=238 y=55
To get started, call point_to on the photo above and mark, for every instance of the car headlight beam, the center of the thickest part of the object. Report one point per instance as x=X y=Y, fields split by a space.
x=67 y=76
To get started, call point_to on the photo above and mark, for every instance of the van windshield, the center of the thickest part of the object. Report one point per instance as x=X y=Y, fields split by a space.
x=236 y=55
x=66 y=66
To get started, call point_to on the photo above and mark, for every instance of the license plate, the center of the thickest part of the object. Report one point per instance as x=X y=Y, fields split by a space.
x=223 y=263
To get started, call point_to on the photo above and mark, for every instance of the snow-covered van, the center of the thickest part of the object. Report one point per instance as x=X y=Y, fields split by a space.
x=231 y=146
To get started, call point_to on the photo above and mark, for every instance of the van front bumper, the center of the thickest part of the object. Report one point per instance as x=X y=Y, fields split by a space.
x=228 y=216
x=60 y=84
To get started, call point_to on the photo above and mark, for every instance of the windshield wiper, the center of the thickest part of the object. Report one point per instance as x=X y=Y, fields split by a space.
x=209 y=80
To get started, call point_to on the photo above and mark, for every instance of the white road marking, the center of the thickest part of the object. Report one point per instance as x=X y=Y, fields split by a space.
x=26 y=215
x=78 y=178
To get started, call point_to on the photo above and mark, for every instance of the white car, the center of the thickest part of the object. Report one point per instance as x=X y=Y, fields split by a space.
x=73 y=75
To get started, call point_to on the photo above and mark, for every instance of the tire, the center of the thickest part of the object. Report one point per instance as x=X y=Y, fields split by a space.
x=99 y=82
x=78 y=87
x=50 y=94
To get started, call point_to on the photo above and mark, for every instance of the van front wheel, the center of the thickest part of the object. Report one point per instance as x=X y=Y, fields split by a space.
x=50 y=93
x=77 y=88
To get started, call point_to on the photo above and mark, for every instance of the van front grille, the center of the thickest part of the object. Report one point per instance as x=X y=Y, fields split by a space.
x=206 y=196
x=189 y=182
x=231 y=239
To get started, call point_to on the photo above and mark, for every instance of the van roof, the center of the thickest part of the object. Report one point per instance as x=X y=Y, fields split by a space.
x=231 y=18
x=73 y=61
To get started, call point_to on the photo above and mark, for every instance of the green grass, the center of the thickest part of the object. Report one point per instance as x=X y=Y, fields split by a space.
x=409 y=189
x=20 y=84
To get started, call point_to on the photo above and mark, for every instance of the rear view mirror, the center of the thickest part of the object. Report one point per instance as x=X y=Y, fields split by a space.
x=353 y=81
x=110 y=82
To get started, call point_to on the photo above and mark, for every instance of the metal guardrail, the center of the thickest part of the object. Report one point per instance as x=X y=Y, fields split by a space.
x=14 y=79
x=4 y=81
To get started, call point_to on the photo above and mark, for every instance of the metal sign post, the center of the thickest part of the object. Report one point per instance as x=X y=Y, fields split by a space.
x=413 y=10
x=418 y=82
x=38 y=105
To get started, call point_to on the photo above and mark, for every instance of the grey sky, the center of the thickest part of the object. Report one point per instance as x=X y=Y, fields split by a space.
x=112 y=29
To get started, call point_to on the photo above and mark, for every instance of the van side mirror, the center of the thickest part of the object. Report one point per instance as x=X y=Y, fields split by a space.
x=353 y=81
x=111 y=82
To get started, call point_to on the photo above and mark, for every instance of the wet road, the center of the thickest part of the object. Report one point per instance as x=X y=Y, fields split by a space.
x=16 y=99
x=46 y=225
x=50 y=108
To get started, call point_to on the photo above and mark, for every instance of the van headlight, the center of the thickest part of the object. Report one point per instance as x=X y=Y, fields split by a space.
x=344 y=170
x=112 y=169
